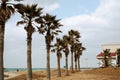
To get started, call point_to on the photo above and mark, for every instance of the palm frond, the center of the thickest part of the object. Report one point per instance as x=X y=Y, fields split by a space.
x=39 y=20
x=12 y=10
x=20 y=8
x=53 y=50
x=21 y=22
x=59 y=31
x=54 y=33
x=40 y=30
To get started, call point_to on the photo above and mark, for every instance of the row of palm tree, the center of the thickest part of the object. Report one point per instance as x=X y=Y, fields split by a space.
x=68 y=44
x=46 y=25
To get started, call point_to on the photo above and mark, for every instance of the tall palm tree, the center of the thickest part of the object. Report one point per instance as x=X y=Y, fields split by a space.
x=76 y=54
x=65 y=44
x=50 y=27
x=118 y=57
x=29 y=13
x=6 y=10
x=79 y=53
x=58 y=48
x=74 y=37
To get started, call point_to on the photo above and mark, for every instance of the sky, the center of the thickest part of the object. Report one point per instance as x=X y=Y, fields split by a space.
x=96 y=20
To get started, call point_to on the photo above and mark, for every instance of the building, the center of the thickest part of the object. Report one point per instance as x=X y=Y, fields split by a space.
x=113 y=55
x=112 y=47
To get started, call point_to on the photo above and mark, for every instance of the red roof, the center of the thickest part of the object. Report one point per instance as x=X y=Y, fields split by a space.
x=113 y=54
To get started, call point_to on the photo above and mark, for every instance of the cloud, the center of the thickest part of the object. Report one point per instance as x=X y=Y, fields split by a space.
x=83 y=21
x=106 y=17
x=47 y=5
x=39 y=1
x=49 y=8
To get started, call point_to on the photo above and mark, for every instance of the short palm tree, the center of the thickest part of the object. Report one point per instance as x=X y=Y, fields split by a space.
x=50 y=27
x=58 y=49
x=5 y=13
x=65 y=45
x=74 y=37
x=118 y=57
x=29 y=14
x=106 y=57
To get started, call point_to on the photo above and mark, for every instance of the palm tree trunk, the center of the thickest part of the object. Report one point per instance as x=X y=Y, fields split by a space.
x=118 y=61
x=78 y=63
x=2 y=28
x=106 y=62
x=29 y=61
x=48 y=64
x=72 y=62
x=75 y=61
x=48 y=42
x=67 y=66
x=59 y=70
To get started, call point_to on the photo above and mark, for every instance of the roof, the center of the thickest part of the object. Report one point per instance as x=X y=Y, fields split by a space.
x=110 y=44
x=101 y=55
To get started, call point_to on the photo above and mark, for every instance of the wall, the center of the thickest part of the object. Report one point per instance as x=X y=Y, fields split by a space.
x=112 y=47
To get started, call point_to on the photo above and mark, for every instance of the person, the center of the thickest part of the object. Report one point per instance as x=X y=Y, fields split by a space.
x=17 y=70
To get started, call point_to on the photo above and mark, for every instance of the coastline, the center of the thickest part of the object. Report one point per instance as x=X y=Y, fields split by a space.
x=21 y=69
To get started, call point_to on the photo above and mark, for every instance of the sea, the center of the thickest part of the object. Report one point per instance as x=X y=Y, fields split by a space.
x=21 y=69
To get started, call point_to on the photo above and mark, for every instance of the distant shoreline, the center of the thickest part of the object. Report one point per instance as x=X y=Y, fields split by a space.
x=21 y=69
x=24 y=69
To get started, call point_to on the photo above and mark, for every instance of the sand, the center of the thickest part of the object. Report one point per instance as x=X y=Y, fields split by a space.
x=94 y=74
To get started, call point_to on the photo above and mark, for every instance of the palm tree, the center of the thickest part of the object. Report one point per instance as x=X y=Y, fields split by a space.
x=106 y=57
x=65 y=44
x=29 y=13
x=79 y=53
x=76 y=54
x=5 y=13
x=74 y=37
x=50 y=27
x=58 y=48
x=118 y=57
x=78 y=49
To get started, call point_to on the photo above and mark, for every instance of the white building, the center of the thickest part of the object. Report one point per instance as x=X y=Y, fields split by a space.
x=112 y=47
x=113 y=55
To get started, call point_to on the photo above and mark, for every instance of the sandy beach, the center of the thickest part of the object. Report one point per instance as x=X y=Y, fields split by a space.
x=94 y=74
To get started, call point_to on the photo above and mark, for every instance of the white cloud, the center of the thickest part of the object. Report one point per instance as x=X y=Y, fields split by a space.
x=106 y=16
x=49 y=8
x=83 y=21
x=47 y=5
x=108 y=8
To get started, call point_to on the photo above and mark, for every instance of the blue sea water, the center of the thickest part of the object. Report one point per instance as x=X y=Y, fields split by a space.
x=22 y=69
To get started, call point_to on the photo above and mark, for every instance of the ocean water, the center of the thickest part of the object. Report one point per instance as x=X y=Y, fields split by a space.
x=22 y=69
